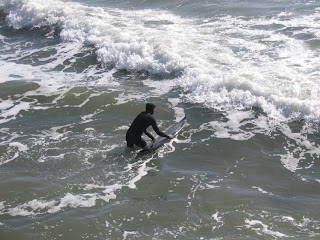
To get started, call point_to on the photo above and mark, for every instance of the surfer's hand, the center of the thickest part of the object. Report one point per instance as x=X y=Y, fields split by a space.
x=171 y=136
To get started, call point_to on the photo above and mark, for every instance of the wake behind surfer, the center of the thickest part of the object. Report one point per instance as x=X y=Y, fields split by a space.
x=140 y=125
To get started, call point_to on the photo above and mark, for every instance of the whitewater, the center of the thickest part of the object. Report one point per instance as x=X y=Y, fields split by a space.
x=231 y=63
x=74 y=74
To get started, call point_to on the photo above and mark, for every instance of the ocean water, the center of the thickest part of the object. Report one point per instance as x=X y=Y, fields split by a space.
x=74 y=74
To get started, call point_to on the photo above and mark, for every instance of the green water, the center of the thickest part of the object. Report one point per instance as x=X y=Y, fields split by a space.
x=74 y=75
x=77 y=180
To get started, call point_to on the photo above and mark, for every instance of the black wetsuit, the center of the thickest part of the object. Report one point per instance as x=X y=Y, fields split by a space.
x=139 y=126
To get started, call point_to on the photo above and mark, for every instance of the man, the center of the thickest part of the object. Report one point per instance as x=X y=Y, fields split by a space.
x=140 y=125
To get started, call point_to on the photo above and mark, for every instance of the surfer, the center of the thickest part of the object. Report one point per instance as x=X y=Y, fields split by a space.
x=140 y=125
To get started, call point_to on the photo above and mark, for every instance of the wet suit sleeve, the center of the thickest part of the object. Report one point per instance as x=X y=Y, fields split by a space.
x=157 y=130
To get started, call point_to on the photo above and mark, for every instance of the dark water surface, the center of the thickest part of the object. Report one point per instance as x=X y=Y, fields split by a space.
x=74 y=74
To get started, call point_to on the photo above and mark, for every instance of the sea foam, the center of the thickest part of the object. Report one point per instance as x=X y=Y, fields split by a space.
x=225 y=63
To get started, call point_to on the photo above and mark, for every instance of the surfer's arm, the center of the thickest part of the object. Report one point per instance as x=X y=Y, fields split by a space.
x=157 y=130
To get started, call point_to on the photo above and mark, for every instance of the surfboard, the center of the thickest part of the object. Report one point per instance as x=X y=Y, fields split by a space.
x=174 y=130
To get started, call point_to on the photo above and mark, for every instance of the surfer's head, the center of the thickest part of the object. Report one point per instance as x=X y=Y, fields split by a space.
x=150 y=108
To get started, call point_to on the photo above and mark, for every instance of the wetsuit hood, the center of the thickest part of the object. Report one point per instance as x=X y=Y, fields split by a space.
x=150 y=108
